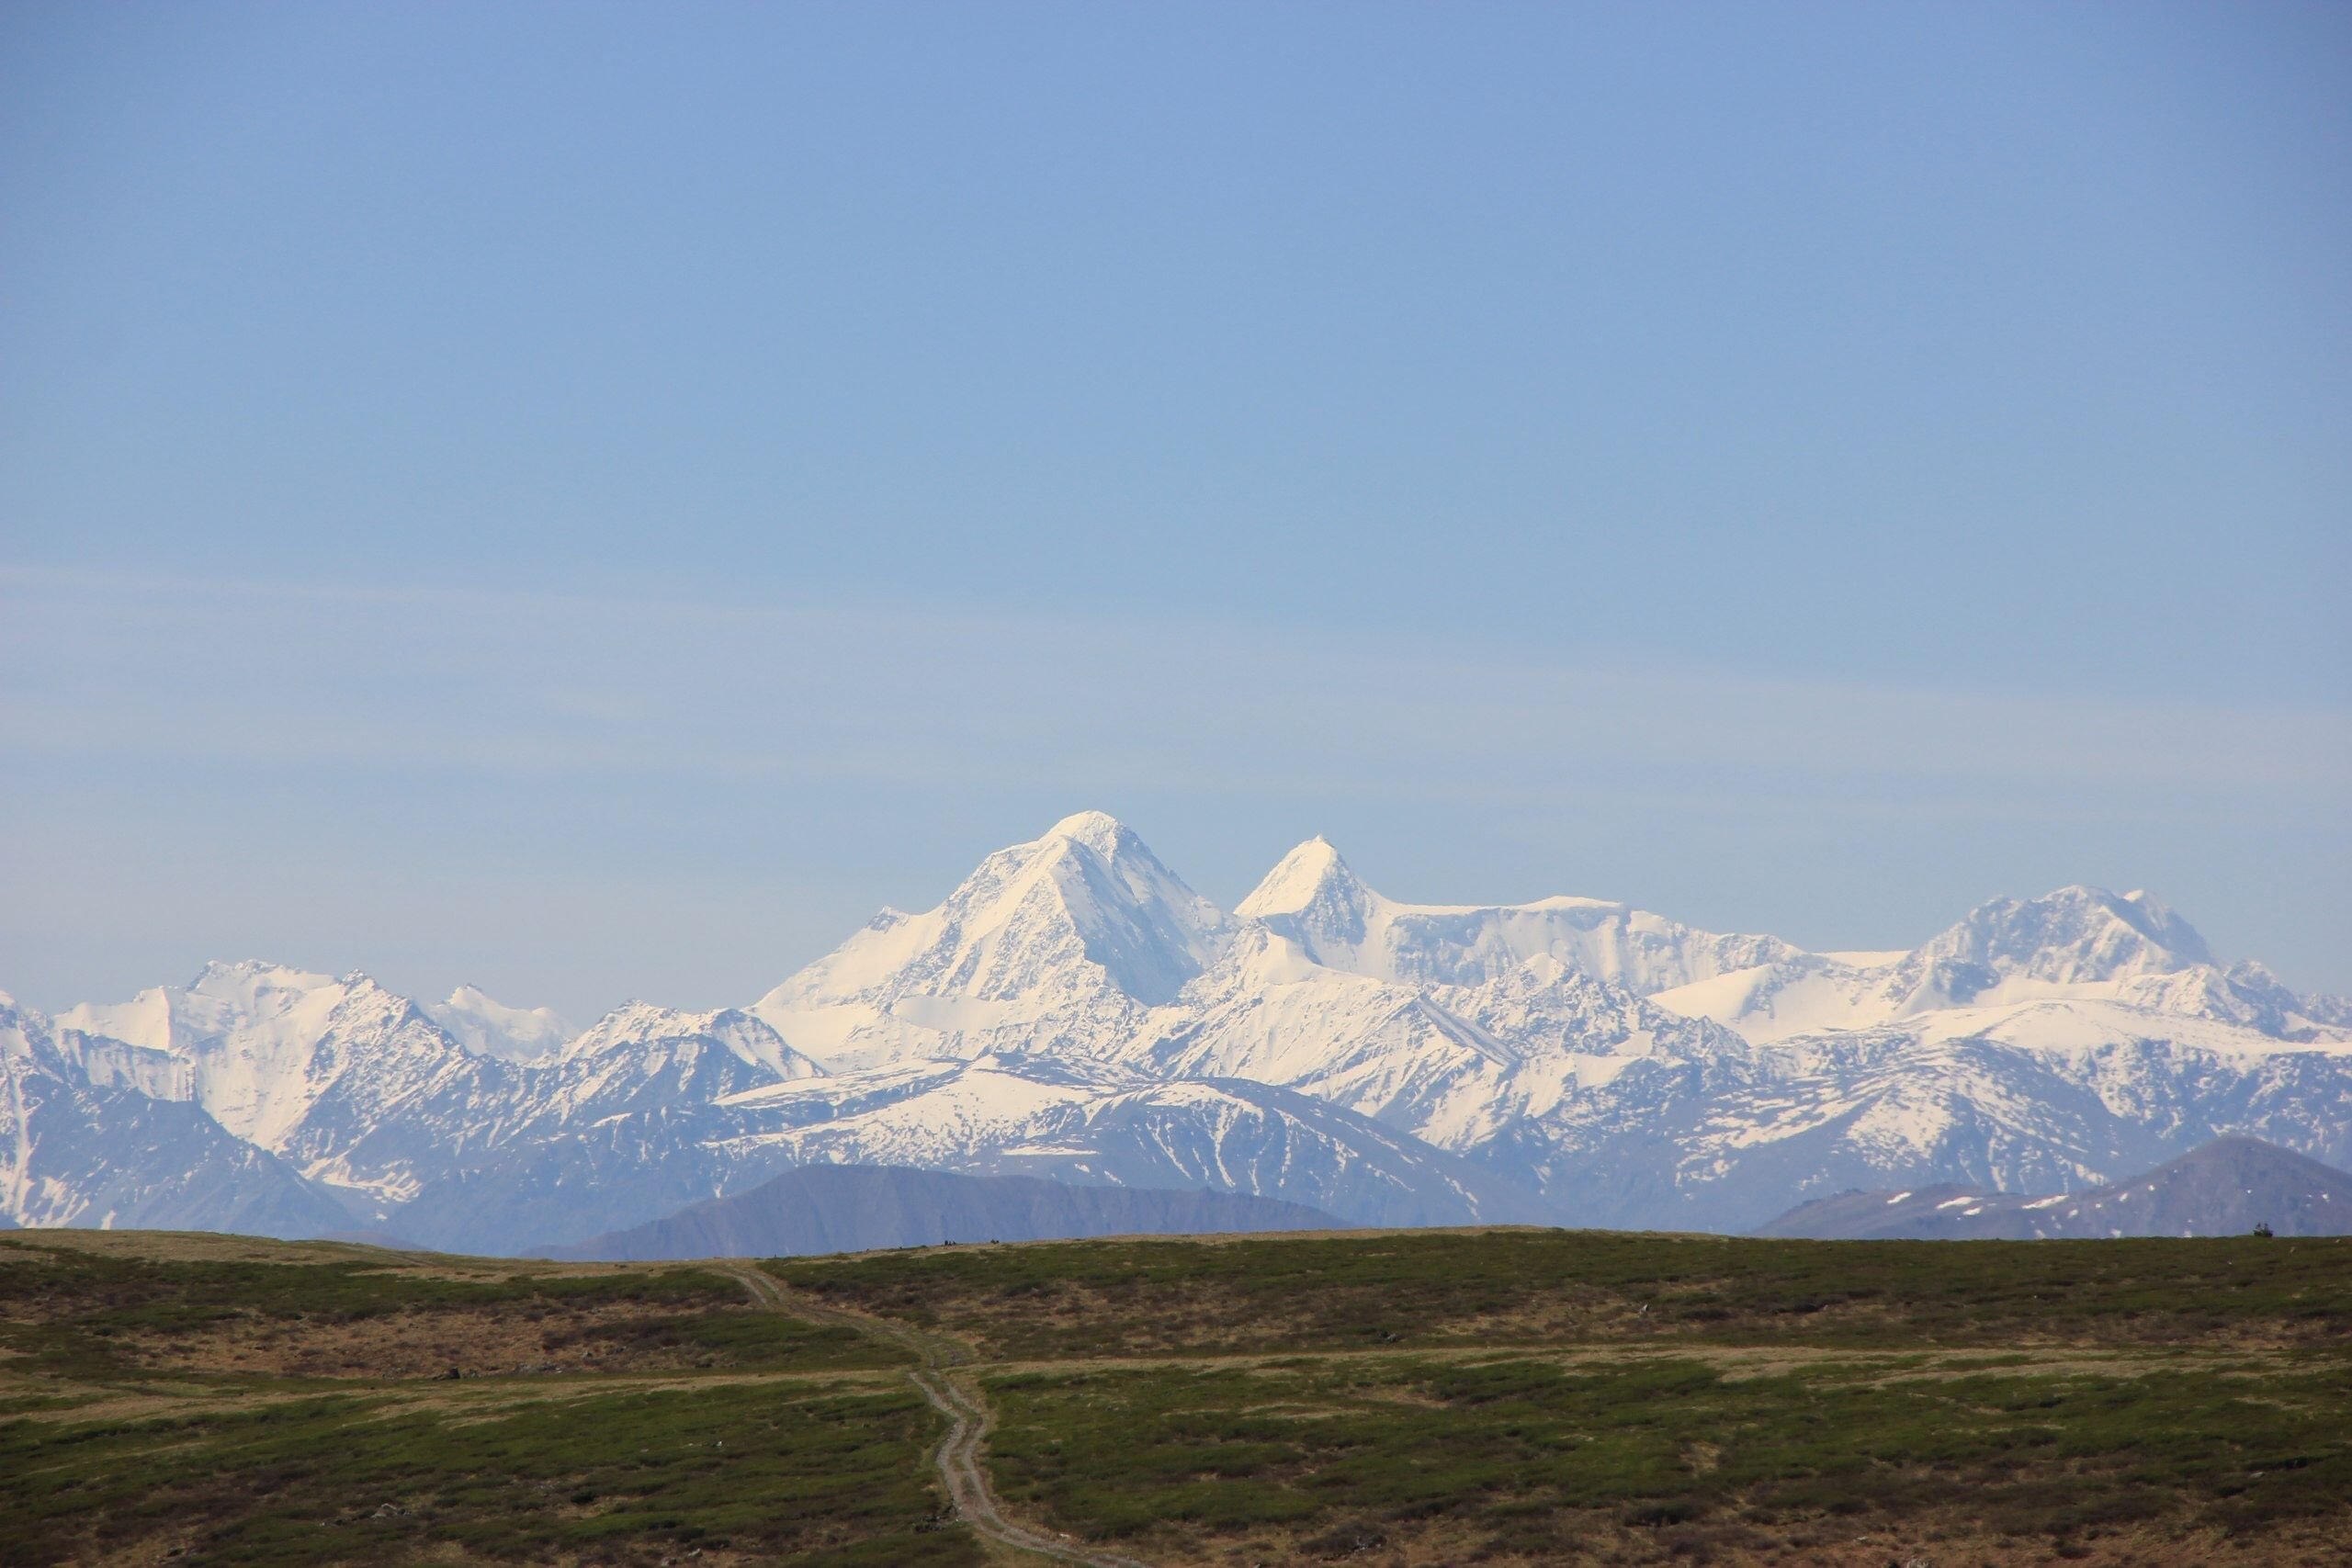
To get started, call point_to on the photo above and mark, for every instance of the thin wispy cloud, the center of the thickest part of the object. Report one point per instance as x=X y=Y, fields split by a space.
x=298 y=674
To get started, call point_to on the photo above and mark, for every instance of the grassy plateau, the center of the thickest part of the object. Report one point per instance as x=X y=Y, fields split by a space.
x=1508 y=1397
x=207 y=1399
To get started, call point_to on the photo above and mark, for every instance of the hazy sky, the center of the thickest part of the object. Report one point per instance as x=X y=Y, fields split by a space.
x=593 y=500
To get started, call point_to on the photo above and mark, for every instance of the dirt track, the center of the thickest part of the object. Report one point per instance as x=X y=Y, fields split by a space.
x=968 y=1420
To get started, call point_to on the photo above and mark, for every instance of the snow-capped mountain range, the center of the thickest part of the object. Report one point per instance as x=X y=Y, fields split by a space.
x=1074 y=1010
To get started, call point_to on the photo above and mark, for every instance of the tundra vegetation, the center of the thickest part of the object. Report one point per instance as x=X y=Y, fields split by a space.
x=1404 y=1398
x=1531 y=1396
x=202 y=1399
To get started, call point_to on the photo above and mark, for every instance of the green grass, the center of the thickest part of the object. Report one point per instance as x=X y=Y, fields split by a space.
x=619 y=1476
x=1525 y=1457
x=128 y=1292
x=100 y=1316
x=1537 y=1397
x=1548 y=1287
x=1514 y=1397
x=753 y=1436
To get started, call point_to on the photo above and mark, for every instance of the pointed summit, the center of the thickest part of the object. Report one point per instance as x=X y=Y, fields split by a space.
x=1315 y=900
x=1311 y=872
x=1098 y=830
x=1083 y=922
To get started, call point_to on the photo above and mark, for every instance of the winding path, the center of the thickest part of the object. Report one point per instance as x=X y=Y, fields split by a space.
x=968 y=1420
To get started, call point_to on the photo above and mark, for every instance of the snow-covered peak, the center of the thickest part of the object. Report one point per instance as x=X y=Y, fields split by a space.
x=2078 y=944
x=224 y=999
x=488 y=1027
x=302 y=1063
x=1311 y=875
x=2074 y=936
x=636 y=1026
x=1082 y=920
x=1313 y=898
x=144 y=1020
x=247 y=979
x=1098 y=830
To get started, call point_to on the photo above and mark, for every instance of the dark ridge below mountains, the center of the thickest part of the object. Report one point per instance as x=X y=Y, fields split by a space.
x=2225 y=1188
x=838 y=1208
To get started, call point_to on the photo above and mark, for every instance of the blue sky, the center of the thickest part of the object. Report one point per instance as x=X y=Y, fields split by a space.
x=592 y=499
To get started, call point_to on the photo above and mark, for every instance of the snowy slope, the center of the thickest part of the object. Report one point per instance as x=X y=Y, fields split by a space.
x=1312 y=897
x=1456 y=1066
x=1638 y=1070
x=1060 y=945
x=989 y=1116
x=1073 y=1009
x=488 y=1027
x=2077 y=943
x=77 y=1153
x=352 y=1084
x=639 y=1056
x=365 y=1094
x=2036 y=1097
x=1017 y=1116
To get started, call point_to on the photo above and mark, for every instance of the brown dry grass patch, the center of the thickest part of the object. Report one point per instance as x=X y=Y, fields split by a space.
x=539 y=1335
x=1598 y=1539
